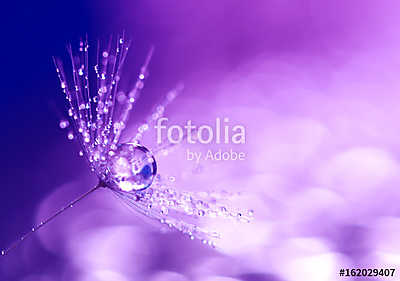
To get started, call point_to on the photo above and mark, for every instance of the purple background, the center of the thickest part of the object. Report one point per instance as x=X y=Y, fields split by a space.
x=316 y=85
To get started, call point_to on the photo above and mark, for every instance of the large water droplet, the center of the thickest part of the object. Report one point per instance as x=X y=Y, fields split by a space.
x=132 y=167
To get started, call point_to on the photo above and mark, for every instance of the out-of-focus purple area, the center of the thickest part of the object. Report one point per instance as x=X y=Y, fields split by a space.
x=315 y=83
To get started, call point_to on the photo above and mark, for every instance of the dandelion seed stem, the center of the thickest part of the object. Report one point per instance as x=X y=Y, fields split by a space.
x=49 y=219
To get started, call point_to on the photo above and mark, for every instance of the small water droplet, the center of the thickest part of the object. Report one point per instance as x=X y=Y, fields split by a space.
x=81 y=153
x=3 y=252
x=164 y=210
x=64 y=124
x=70 y=136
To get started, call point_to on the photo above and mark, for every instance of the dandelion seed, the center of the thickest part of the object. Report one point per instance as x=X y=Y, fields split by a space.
x=128 y=170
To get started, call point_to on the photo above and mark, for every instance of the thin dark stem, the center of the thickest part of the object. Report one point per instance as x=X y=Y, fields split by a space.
x=49 y=219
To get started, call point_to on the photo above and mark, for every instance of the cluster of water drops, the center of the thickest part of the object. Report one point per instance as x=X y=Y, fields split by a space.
x=98 y=113
x=182 y=210
x=96 y=120
x=129 y=170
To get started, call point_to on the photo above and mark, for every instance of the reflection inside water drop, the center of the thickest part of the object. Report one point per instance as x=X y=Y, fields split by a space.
x=132 y=167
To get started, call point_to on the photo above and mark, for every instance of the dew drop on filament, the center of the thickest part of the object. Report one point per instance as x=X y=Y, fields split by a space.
x=64 y=124
x=132 y=167
x=70 y=135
